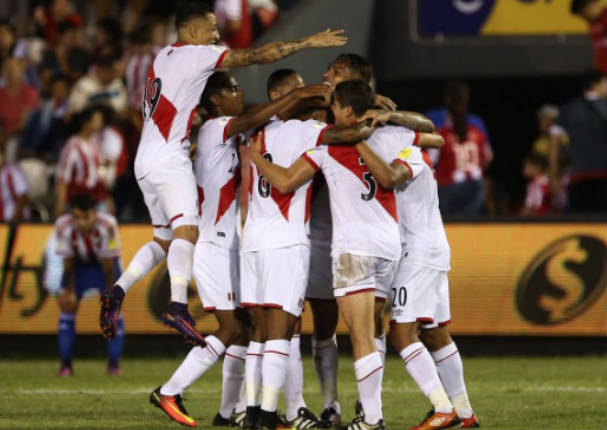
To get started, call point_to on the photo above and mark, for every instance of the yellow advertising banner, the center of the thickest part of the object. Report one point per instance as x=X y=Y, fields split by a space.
x=506 y=279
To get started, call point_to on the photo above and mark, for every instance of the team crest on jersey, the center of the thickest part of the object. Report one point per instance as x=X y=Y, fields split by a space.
x=405 y=153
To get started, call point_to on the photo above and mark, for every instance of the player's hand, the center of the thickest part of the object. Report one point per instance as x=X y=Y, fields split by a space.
x=376 y=116
x=255 y=144
x=327 y=39
x=67 y=300
x=384 y=102
x=321 y=92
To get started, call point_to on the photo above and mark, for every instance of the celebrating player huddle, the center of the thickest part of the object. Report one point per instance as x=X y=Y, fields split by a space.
x=344 y=215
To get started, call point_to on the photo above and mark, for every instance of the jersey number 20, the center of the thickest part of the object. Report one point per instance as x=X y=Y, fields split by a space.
x=151 y=97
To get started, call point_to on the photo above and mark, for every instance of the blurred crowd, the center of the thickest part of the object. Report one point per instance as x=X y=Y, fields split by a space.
x=71 y=82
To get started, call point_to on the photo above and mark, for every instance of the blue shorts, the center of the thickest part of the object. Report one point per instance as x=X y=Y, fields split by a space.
x=90 y=276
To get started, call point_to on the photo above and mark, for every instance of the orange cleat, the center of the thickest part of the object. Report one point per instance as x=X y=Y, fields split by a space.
x=173 y=407
x=438 y=420
x=467 y=423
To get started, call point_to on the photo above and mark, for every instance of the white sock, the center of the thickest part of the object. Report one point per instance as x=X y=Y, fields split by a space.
x=326 y=361
x=274 y=372
x=380 y=343
x=179 y=264
x=148 y=256
x=294 y=382
x=421 y=367
x=241 y=406
x=233 y=378
x=451 y=371
x=198 y=361
x=369 y=372
x=253 y=362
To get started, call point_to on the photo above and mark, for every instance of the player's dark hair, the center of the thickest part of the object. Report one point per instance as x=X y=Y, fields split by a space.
x=217 y=81
x=83 y=201
x=578 y=5
x=189 y=9
x=357 y=64
x=357 y=94
x=84 y=116
x=537 y=160
x=277 y=78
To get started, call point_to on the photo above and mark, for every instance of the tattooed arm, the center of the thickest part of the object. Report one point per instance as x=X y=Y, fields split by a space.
x=412 y=120
x=274 y=51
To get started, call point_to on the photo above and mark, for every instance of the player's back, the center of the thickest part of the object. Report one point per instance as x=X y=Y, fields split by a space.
x=217 y=171
x=172 y=90
x=365 y=220
x=274 y=219
x=421 y=226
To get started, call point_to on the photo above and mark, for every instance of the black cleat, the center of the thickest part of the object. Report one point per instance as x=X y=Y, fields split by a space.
x=111 y=301
x=251 y=417
x=330 y=417
x=178 y=317
x=220 y=421
x=271 y=421
x=307 y=420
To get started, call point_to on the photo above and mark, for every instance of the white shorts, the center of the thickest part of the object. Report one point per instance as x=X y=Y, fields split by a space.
x=420 y=294
x=216 y=272
x=275 y=278
x=320 y=277
x=169 y=192
x=360 y=273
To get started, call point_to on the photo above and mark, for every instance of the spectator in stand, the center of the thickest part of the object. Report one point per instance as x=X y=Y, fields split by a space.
x=234 y=22
x=48 y=19
x=13 y=192
x=59 y=59
x=546 y=115
x=80 y=163
x=538 y=200
x=462 y=161
x=108 y=37
x=7 y=41
x=594 y=12
x=44 y=132
x=101 y=86
x=17 y=98
x=140 y=58
x=584 y=119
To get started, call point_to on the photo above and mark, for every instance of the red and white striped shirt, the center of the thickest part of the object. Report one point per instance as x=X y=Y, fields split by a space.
x=103 y=241
x=538 y=195
x=136 y=71
x=12 y=186
x=79 y=164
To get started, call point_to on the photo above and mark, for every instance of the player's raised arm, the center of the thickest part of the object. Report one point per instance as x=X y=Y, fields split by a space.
x=352 y=134
x=284 y=180
x=412 y=120
x=275 y=51
x=388 y=175
x=259 y=116
x=430 y=140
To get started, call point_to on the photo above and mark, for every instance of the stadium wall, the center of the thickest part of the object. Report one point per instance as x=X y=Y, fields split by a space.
x=507 y=279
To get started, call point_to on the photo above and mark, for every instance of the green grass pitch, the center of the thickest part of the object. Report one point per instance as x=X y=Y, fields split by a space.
x=507 y=393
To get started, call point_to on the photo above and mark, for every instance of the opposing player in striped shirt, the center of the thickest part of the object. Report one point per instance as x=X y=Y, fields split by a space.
x=89 y=243
x=13 y=192
x=163 y=169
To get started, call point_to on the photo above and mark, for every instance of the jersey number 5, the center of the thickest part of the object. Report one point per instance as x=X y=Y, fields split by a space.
x=151 y=96
x=264 y=187
x=370 y=181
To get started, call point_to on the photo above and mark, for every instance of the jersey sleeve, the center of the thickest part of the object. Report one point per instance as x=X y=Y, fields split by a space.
x=208 y=57
x=110 y=245
x=316 y=157
x=311 y=133
x=413 y=160
x=214 y=132
x=63 y=245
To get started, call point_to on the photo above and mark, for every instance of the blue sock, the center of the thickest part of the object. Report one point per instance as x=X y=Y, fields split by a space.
x=66 y=335
x=114 y=346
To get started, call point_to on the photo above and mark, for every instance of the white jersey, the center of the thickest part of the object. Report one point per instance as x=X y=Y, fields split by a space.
x=12 y=186
x=103 y=241
x=422 y=232
x=217 y=171
x=274 y=219
x=172 y=91
x=365 y=219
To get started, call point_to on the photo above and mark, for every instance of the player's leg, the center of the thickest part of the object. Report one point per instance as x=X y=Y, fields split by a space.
x=447 y=358
x=146 y=258
x=295 y=376
x=233 y=377
x=66 y=333
x=412 y=302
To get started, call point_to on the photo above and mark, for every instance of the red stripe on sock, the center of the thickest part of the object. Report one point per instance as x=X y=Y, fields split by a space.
x=271 y=351
x=370 y=373
x=252 y=354
x=450 y=355
x=235 y=357
x=408 y=357
x=213 y=350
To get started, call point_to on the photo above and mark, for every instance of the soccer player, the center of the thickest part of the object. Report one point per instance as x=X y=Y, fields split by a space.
x=274 y=263
x=88 y=241
x=365 y=245
x=420 y=292
x=217 y=171
x=345 y=67
x=175 y=81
